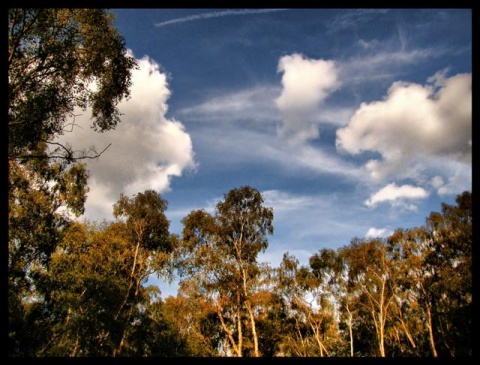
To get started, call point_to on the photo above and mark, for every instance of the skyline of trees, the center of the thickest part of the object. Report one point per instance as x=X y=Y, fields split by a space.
x=409 y=294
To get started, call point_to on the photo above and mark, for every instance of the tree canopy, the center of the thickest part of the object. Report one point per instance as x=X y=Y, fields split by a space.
x=59 y=60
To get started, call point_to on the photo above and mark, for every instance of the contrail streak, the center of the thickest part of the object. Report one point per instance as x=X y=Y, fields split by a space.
x=215 y=14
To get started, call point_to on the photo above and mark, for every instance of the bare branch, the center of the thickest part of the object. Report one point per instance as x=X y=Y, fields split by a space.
x=73 y=124
x=68 y=157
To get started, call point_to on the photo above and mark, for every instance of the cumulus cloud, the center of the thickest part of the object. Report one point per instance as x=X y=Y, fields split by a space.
x=147 y=148
x=413 y=122
x=396 y=195
x=306 y=83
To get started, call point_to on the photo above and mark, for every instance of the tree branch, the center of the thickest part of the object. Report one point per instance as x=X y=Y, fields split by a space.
x=69 y=154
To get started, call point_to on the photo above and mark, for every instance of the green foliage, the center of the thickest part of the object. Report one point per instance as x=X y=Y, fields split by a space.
x=220 y=252
x=59 y=59
x=145 y=219
x=77 y=289
x=450 y=286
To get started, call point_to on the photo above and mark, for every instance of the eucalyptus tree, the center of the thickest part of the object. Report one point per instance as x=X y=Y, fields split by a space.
x=312 y=326
x=329 y=271
x=58 y=60
x=371 y=271
x=411 y=248
x=150 y=244
x=83 y=288
x=95 y=300
x=435 y=265
x=221 y=250
x=451 y=282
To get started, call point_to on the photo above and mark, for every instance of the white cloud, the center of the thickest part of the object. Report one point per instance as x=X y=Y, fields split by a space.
x=306 y=83
x=396 y=195
x=147 y=149
x=378 y=232
x=411 y=123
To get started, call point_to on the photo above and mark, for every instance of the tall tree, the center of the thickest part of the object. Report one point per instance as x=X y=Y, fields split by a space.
x=195 y=318
x=93 y=291
x=221 y=250
x=450 y=285
x=83 y=288
x=148 y=235
x=328 y=270
x=411 y=248
x=58 y=60
x=371 y=270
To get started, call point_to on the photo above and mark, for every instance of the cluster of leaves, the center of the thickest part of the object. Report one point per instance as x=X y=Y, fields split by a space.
x=59 y=60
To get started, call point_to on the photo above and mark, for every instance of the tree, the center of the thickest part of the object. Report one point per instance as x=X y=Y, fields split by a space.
x=221 y=252
x=83 y=288
x=150 y=243
x=92 y=291
x=155 y=334
x=328 y=270
x=450 y=285
x=311 y=310
x=195 y=318
x=410 y=248
x=370 y=269
x=60 y=59
x=36 y=226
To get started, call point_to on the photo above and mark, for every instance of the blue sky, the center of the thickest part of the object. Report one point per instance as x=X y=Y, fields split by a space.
x=350 y=122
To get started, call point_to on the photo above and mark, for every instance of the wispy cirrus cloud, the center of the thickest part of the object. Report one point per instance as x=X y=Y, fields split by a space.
x=215 y=14
x=253 y=104
x=353 y=18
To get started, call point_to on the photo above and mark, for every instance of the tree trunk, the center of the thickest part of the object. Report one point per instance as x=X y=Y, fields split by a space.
x=236 y=348
x=240 y=333
x=430 y=332
x=350 y=329
x=254 y=331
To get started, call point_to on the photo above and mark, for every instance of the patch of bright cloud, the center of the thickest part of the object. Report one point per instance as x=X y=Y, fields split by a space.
x=412 y=122
x=396 y=194
x=378 y=232
x=216 y=14
x=306 y=83
x=147 y=148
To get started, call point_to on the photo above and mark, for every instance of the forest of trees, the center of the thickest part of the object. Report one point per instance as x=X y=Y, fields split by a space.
x=80 y=288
